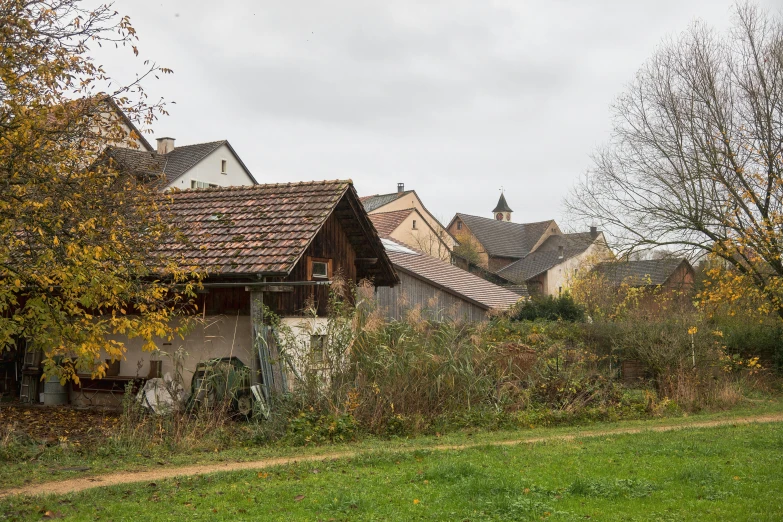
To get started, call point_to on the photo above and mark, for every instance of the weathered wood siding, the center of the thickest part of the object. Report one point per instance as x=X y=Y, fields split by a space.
x=330 y=243
x=412 y=292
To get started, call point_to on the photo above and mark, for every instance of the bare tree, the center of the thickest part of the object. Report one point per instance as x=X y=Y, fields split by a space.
x=694 y=162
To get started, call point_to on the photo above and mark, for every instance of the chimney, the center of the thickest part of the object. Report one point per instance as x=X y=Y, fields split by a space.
x=560 y=252
x=594 y=232
x=165 y=145
x=400 y=187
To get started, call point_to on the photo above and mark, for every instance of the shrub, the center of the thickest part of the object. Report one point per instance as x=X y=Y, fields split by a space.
x=561 y=308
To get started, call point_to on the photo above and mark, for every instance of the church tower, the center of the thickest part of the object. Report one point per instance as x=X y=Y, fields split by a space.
x=502 y=211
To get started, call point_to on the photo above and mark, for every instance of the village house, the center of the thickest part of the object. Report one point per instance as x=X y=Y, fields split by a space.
x=276 y=246
x=438 y=289
x=201 y=165
x=403 y=217
x=551 y=267
x=537 y=255
x=667 y=274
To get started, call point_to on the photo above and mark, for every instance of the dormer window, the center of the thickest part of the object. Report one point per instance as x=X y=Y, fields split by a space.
x=319 y=269
x=223 y=166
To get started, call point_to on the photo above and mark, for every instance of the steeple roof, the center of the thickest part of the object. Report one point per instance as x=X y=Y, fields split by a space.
x=502 y=205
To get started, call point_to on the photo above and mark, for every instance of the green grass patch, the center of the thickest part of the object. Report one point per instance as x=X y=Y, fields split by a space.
x=65 y=461
x=722 y=473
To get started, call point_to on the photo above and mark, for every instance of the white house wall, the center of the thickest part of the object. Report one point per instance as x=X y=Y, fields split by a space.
x=208 y=171
x=215 y=337
x=561 y=276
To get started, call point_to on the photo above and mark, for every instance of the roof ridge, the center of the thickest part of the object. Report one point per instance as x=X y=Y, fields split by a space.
x=199 y=144
x=272 y=185
x=391 y=193
x=510 y=222
x=393 y=211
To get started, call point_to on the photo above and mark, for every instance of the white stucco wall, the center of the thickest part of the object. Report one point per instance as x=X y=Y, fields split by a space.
x=412 y=201
x=423 y=237
x=560 y=276
x=214 y=337
x=208 y=171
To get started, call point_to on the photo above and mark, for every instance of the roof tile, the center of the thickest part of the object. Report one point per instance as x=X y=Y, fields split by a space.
x=260 y=229
x=450 y=277
x=643 y=272
x=503 y=238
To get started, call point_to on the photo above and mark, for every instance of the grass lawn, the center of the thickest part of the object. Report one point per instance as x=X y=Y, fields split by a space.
x=725 y=473
x=64 y=462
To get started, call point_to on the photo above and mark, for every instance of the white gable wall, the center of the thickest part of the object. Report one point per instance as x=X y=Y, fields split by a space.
x=560 y=276
x=208 y=171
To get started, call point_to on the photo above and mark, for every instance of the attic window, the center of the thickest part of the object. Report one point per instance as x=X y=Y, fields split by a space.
x=223 y=166
x=201 y=184
x=414 y=224
x=459 y=225
x=319 y=269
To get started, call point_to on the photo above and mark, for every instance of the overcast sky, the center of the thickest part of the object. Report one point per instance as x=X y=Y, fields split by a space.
x=454 y=99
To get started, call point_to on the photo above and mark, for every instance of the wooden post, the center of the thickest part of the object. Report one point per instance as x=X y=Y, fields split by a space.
x=257 y=326
x=268 y=366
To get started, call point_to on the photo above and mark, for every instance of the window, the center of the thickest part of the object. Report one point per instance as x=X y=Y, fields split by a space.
x=317 y=349
x=201 y=184
x=223 y=166
x=319 y=269
x=459 y=225
x=414 y=224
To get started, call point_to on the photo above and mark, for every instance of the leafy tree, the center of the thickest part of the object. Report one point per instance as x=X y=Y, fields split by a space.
x=468 y=250
x=78 y=259
x=696 y=156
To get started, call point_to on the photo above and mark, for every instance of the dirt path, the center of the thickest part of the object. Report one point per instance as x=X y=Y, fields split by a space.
x=80 y=484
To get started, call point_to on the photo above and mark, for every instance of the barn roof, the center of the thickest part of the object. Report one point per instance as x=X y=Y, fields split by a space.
x=640 y=273
x=265 y=229
x=449 y=278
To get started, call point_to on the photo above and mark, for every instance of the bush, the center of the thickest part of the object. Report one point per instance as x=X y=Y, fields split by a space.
x=561 y=308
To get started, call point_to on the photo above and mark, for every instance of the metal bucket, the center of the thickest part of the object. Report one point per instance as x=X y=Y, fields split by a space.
x=54 y=392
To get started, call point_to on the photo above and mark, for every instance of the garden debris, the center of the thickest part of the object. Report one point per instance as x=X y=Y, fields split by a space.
x=162 y=396
x=57 y=425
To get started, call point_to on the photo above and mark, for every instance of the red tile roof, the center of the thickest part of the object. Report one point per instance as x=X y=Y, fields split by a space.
x=451 y=278
x=387 y=222
x=265 y=229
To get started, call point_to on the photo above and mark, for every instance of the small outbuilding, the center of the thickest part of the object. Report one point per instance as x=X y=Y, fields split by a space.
x=438 y=288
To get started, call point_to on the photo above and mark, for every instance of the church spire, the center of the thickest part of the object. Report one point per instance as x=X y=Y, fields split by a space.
x=502 y=211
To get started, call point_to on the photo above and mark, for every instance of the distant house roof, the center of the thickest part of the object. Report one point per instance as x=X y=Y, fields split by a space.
x=502 y=206
x=547 y=255
x=378 y=200
x=503 y=238
x=171 y=165
x=640 y=273
x=387 y=222
x=449 y=278
x=265 y=229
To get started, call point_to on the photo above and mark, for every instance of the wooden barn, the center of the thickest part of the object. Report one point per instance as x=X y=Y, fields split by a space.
x=439 y=289
x=278 y=246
